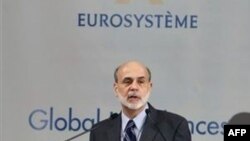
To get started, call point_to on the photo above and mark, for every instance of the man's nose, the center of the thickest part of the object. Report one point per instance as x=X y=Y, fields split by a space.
x=134 y=86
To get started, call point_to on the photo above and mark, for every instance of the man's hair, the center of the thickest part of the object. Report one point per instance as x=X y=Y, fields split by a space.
x=117 y=69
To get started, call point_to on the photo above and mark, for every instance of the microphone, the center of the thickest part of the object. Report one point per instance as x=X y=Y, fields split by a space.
x=112 y=116
x=147 y=111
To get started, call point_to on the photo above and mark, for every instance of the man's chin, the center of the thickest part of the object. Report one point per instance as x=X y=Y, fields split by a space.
x=134 y=106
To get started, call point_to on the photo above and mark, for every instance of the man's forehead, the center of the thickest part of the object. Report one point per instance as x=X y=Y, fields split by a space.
x=133 y=70
x=133 y=73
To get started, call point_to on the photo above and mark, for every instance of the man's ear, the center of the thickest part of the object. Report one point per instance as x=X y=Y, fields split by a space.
x=151 y=84
x=115 y=87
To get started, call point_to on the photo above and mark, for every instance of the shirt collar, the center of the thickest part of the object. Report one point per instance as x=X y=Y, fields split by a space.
x=139 y=119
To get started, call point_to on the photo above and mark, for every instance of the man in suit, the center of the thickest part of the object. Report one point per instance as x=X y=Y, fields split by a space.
x=138 y=120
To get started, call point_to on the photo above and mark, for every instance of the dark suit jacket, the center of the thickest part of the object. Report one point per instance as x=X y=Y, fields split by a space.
x=158 y=124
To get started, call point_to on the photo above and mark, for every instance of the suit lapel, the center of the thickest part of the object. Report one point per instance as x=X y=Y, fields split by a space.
x=153 y=121
x=149 y=131
x=114 y=133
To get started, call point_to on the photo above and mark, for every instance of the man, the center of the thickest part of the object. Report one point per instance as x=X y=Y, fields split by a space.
x=138 y=120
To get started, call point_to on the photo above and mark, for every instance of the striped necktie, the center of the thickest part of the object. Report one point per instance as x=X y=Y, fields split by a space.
x=130 y=132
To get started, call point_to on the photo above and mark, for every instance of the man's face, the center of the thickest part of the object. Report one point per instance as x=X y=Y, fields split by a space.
x=133 y=86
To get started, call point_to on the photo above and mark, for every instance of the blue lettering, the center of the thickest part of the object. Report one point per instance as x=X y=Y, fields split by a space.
x=103 y=20
x=81 y=19
x=64 y=124
x=180 y=23
x=191 y=126
x=148 y=19
x=193 y=21
x=94 y=20
x=127 y=19
x=212 y=128
x=119 y=19
x=198 y=127
x=168 y=20
x=71 y=120
x=51 y=118
x=43 y=122
x=138 y=20
x=222 y=126
x=158 y=19
x=40 y=120
x=203 y=127
x=85 y=122
x=98 y=115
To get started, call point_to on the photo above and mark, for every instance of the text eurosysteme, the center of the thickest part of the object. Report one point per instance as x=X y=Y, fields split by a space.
x=117 y=20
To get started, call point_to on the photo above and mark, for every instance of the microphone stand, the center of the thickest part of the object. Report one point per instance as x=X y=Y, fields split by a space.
x=112 y=116
x=80 y=134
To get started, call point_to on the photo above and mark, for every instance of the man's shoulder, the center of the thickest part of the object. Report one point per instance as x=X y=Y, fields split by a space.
x=106 y=123
x=171 y=124
x=166 y=116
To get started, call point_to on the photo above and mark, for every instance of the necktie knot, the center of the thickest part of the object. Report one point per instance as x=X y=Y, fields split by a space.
x=130 y=125
x=129 y=131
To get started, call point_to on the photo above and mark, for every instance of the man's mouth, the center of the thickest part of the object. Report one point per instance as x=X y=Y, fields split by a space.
x=133 y=98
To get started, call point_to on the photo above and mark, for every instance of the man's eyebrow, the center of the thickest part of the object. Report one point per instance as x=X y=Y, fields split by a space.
x=141 y=77
x=127 y=78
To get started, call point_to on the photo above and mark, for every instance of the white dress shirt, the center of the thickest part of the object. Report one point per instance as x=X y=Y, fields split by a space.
x=139 y=122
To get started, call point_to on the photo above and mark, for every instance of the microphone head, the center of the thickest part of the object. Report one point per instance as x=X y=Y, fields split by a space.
x=147 y=111
x=114 y=115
